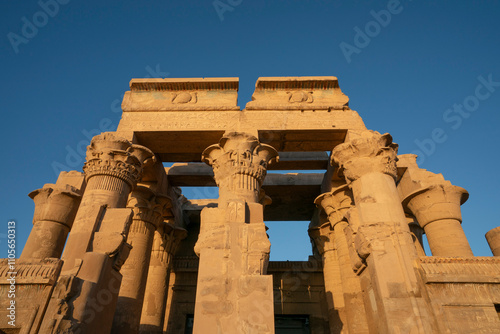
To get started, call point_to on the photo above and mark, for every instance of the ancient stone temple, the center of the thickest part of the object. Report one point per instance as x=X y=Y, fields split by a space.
x=118 y=248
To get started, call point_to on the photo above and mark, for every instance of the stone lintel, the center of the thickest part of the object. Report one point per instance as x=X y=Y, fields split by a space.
x=179 y=136
x=300 y=160
x=195 y=94
x=200 y=174
x=460 y=270
x=298 y=93
x=289 y=203
x=292 y=195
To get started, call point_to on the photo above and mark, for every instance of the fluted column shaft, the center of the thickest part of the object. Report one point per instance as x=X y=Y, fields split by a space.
x=165 y=244
x=149 y=209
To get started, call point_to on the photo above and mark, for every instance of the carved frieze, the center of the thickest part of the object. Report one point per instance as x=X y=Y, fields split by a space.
x=298 y=93
x=173 y=94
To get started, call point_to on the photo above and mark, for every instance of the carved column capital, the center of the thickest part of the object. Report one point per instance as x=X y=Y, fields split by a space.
x=335 y=203
x=240 y=163
x=323 y=237
x=436 y=202
x=148 y=206
x=114 y=156
x=166 y=241
x=367 y=153
x=56 y=203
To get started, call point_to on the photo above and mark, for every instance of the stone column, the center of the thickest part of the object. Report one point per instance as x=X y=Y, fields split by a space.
x=417 y=234
x=383 y=240
x=165 y=244
x=149 y=209
x=337 y=204
x=234 y=294
x=437 y=209
x=96 y=249
x=113 y=168
x=435 y=203
x=324 y=239
x=493 y=238
x=55 y=210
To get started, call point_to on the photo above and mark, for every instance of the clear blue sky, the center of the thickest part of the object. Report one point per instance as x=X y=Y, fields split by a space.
x=404 y=67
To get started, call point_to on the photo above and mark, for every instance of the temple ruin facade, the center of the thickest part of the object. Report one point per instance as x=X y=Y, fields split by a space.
x=119 y=249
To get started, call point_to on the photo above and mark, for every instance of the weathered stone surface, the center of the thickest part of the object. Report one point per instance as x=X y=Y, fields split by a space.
x=28 y=284
x=149 y=210
x=233 y=246
x=383 y=239
x=166 y=241
x=493 y=237
x=200 y=94
x=55 y=210
x=298 y=93
x=435 y=203
x=340 y=280
x=143 y=258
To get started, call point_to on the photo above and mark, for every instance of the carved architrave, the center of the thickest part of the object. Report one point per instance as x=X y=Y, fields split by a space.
x=370 y=152
x=177 y=94
x=114 y=156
